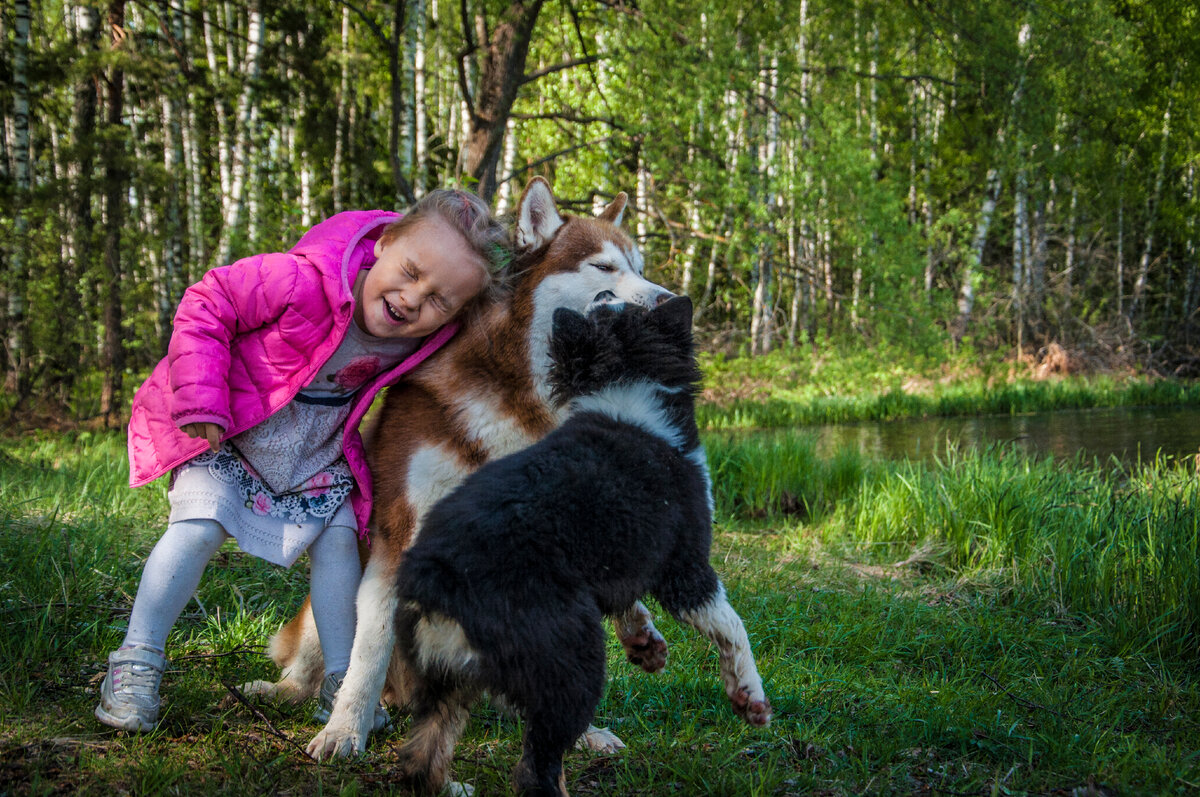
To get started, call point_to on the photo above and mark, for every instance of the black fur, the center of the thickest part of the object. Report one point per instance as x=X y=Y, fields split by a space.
x=530 y=552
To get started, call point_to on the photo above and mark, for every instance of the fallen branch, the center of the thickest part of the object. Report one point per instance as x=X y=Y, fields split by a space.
x=259 y=715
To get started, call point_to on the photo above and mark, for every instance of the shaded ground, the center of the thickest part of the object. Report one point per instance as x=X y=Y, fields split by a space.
x=886 y=678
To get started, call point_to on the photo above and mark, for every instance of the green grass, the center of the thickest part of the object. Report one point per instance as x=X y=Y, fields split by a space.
x=983 y=625
x=793 y=388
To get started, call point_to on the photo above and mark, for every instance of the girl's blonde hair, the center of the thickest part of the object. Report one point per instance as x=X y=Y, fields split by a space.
x=465 y=212
x=472 y=218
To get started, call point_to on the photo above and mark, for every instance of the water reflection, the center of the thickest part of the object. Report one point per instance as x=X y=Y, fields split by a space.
x=1129 y=434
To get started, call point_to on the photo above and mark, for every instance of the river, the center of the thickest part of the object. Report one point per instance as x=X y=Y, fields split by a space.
x=1127 y=434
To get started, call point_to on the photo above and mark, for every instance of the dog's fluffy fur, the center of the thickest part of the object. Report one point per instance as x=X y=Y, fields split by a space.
x=485 y=395
x=506 y=586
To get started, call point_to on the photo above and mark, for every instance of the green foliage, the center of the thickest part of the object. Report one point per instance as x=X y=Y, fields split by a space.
x=845 y=175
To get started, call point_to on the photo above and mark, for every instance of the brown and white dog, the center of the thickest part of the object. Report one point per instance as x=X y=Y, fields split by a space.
x=484 y=396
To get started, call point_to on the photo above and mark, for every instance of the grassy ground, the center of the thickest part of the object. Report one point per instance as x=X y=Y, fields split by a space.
x=912 y=623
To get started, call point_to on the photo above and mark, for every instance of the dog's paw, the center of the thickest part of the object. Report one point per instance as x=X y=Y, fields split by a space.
x=756 y=711
x=599 y=740
x=647 y=649
x=333 y=743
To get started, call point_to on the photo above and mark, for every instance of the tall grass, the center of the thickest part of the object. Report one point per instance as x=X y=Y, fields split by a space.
x=780 y=472
x=800 y=406
x=1120 y=545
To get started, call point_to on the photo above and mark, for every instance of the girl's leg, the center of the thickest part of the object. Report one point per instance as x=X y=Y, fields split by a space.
x=170 y=579
x=129 y=695
x=333 y=582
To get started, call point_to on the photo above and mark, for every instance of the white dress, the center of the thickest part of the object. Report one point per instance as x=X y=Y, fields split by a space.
x=278 y=485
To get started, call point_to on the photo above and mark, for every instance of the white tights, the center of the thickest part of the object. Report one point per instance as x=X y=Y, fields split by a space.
x=178 y=560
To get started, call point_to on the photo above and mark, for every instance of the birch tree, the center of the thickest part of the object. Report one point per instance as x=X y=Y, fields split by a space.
x=18 y=275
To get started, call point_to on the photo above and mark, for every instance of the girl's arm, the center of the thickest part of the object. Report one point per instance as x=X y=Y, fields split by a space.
x=229 y=301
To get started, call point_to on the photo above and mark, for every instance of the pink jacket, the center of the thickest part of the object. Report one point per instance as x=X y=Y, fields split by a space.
x=249 y=335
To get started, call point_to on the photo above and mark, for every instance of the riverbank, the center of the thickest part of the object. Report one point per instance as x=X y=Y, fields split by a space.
x=991 y=623
x=794 y=388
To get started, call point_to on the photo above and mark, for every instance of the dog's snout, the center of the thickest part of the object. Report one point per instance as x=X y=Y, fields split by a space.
x=663 y=298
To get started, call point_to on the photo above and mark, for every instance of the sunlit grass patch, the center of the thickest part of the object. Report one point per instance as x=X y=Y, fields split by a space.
x=919 y=628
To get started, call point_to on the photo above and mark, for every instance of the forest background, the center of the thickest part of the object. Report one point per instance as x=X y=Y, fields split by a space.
x=926 y=176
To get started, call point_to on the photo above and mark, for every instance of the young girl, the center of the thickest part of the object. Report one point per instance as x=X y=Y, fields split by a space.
x=255 y=410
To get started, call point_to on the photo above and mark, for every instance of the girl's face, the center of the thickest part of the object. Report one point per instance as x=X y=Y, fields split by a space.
x=421 y=280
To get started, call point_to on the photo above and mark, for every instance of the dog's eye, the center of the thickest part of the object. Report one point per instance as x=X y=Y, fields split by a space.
x=605 y=267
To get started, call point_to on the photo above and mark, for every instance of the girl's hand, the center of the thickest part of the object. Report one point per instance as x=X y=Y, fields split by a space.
x=209 y=431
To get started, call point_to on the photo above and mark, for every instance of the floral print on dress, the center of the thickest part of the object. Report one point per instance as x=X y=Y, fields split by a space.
x=318 y=497
x=355 y=374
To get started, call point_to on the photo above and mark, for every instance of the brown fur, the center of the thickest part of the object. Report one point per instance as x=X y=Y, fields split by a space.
x=487 y=362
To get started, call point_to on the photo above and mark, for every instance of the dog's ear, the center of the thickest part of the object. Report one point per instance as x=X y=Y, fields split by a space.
x=572 y=354
x=537 y=216
x=615 y=210
x=568 y=325
x=676 y=311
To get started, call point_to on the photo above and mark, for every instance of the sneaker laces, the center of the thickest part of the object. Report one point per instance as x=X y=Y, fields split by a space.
x=135 y=680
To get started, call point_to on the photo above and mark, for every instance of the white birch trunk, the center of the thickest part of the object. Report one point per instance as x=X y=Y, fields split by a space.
x=420 y=135
x=1192 y=285
x=971 y=275
x=223 y=133
x=173 y=159
x=1020 y=226
x=242 y=151
x=1121 y=241
x=18 y=342
x=343 y=113
x=1152 y=203
x=504 y=195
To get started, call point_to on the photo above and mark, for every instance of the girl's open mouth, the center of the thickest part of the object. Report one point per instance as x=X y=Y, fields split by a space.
x=393 y=313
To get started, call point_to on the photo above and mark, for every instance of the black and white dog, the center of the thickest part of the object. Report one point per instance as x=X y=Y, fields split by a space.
x=505 y=587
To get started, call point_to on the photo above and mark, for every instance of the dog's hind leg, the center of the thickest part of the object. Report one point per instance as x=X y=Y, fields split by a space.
x=296 y=649
x=718 y=621
x=440 y=711
x=555 y=709
x=644 y=645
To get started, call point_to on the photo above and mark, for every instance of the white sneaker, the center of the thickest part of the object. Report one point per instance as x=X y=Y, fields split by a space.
x=329 y=690
x=129 y=695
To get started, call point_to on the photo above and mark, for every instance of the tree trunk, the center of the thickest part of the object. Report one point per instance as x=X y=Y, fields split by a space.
x=503 y=73
x=420 y=156
x=1019 y=254
x=64 y=367
x=971 y=269
x=223 y=134
x=17 y=378
x=506 y=189
x=112 y=358
x=1152 y=203
x=173 y=163
x=343 y=114
x=400 y=136
x=242 y=155
x=197 y=253
x=1192 y=283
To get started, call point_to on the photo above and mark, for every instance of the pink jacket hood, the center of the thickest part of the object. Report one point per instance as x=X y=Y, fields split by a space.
x=249 y=335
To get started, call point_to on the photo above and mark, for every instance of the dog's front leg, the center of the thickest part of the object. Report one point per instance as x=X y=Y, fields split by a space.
x=374 y=639
x=718 y=621
x=644 y=645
